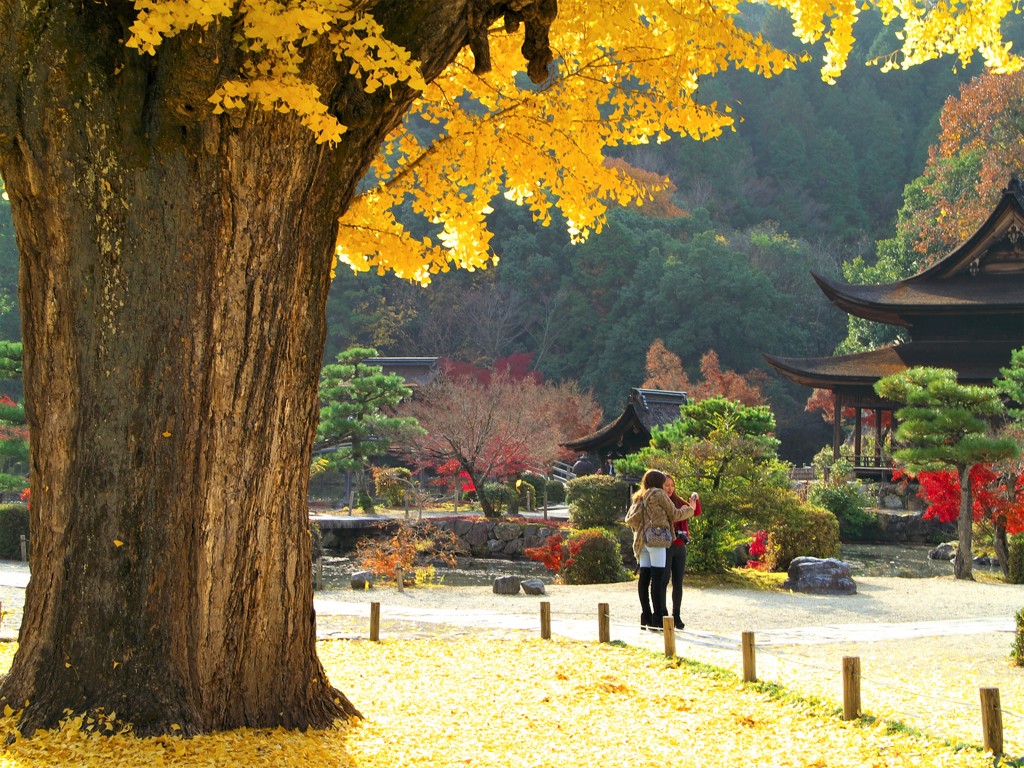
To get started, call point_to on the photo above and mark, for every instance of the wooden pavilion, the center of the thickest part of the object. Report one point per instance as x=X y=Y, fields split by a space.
x=965 y=313
x=631 y=431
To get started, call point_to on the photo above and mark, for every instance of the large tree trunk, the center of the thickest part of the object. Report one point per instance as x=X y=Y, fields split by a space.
x=175 y=266
x=963 y=563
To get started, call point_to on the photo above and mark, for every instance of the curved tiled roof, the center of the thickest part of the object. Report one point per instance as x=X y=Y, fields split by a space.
x=894 y=302
x=645 y=409
x=984 y=275
x=975 y=363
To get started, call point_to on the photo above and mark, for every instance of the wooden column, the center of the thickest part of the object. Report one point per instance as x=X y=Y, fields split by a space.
x=604 y=623
x=878 y=437
x=837 y=425
x=858 y=452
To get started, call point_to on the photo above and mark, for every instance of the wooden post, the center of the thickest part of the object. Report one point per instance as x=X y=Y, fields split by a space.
x=375 y=622
x=851 y=687
x=749 y=658
x=992 y=721
x=669 y=626
x=604 y=623
x=545 y=620
x=24 y=548
x=545 y=501
x=400 y=578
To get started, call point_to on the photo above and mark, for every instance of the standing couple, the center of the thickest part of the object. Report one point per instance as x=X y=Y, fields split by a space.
x=658 y=518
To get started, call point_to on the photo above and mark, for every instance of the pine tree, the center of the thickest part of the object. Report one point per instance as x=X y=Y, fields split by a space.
x=947 y=425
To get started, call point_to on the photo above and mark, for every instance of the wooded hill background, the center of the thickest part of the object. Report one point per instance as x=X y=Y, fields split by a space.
x=813 y=176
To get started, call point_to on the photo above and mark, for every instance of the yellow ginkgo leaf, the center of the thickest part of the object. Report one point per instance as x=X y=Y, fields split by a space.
x=167 y=434
x=118 y=543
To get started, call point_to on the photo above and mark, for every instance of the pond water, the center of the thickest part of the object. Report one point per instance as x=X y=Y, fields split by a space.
x=908 y=561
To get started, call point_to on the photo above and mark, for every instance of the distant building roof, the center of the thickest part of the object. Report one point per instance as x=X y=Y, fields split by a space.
x=965 y=313
x=417 y=371
x=975 y=362
x=631 y=431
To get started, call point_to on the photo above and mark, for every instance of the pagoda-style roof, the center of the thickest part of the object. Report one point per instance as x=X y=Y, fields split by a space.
x=983 y=276
x=645 y=409
x=902 y=302
x=975 y=362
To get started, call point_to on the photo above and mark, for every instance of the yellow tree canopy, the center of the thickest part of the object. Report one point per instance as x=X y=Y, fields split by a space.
x=623 y=73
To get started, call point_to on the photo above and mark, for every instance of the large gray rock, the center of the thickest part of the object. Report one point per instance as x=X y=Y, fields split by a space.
x=820 y=577
x=533 y=587
x=362 y=580
x=507 y=585
x=946 y=551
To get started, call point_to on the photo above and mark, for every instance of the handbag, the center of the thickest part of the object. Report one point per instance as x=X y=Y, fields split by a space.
x=656 y=536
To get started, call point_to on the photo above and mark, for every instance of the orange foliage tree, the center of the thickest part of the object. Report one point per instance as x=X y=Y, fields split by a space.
x=665 y=371
x=980 y=145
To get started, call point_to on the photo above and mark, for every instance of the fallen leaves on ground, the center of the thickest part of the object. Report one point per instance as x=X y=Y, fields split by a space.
x=522 y=702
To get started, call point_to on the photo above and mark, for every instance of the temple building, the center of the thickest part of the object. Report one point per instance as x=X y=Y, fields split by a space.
x=965 y=313
x=631 y=431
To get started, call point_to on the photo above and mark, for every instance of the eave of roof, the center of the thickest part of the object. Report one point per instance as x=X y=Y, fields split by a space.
x=975 y=362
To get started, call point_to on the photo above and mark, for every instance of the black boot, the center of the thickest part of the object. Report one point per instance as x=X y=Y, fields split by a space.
x=658 y=598
x=643 y=588
x=677 y=621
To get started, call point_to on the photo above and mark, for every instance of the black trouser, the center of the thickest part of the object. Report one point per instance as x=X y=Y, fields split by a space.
x=675 y=567
x=652 y=584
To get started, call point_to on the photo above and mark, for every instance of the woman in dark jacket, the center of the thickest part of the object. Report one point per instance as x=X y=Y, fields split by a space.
x=675 y=559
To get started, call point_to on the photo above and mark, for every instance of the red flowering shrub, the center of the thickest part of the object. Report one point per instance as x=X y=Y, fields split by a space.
x=757 y=549
x=553 y=554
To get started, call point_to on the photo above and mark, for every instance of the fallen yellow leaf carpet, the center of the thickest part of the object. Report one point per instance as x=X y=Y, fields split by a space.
x=505 y=703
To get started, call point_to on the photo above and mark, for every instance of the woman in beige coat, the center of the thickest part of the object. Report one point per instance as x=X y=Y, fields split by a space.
x=652 y=507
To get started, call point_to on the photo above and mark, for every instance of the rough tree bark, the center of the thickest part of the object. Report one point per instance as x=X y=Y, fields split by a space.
x=175 y=266
x=963 y=563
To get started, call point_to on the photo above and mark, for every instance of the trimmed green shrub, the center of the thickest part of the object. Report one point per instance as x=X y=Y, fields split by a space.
x=594 y=558
x=801 y=529
x=1015 y=560
x=502 y=497
x=712 y=535
x=537 y=481
x=556 y=492
x=365 y=502
x=848 y=503
x=596 y=501
x=13 y=525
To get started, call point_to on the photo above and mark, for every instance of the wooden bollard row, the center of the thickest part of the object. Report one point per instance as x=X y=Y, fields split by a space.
x=991 y=711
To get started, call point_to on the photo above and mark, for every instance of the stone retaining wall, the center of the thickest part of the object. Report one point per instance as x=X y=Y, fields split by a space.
x=496 y=538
